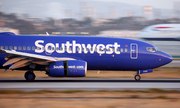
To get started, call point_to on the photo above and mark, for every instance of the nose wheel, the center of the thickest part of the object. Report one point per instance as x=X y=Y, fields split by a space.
x=29 y=76
x=137 y=77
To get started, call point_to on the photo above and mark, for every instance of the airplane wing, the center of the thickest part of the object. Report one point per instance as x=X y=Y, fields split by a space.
x=21 y=59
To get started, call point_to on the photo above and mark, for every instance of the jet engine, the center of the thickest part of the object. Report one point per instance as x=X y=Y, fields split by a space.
x=71 y=68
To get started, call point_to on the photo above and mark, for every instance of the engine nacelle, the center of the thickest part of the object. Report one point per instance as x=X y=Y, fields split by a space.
x=72 y=68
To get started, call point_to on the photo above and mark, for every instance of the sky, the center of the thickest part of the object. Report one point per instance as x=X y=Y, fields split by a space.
x=165 y=4
x=56 y=8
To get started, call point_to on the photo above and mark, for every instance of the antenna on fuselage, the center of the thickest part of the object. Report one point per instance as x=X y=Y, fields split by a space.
x=47 y=33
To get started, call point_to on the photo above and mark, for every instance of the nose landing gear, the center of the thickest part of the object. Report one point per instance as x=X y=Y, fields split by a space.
x=137 y=77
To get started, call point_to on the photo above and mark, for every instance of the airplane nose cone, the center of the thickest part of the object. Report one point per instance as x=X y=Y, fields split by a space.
x=165 y=58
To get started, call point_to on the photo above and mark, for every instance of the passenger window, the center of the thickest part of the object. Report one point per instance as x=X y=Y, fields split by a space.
x=121 y=49
x=57 y=49
x=24 y=48
x=10 y=47
x=49 y=48
x=78 y=49
x=29 y=48
x=38 y=48
x=125 y=49
x=33 y=48
x=6 y=47
x=15 y=47
x=19 y=47
x=1 y=47
x=101 y=49
x=53 y=48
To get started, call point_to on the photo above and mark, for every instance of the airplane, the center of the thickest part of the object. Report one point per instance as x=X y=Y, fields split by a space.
x=161 y=32
x=72 y=56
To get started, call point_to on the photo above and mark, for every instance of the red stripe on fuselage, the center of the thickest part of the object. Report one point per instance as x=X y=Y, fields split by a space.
x=162 y=27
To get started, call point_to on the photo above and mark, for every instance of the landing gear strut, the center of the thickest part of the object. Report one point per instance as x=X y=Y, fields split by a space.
x=137 y=77
x=29 y=76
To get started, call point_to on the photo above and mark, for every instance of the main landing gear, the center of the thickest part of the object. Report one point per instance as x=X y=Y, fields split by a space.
x=29 y=76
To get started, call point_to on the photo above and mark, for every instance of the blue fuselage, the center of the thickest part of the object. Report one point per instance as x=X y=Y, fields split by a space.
x=100 y=53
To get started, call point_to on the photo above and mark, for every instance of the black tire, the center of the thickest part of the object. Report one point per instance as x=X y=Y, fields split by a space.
x=137 y=77
x=29 y=76
x=25 y=75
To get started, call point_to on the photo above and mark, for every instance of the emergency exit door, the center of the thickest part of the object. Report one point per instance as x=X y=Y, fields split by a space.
x=134 y=51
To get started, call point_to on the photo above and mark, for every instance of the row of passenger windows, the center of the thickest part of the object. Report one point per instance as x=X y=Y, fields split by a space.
x=17 y=48
x=52 y=48
x=88 y=49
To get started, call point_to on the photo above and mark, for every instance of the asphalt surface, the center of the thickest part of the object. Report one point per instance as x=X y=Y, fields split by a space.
x=89 y=84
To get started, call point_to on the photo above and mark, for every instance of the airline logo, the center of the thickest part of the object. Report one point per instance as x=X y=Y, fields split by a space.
x=70 y=67
x=73 y=47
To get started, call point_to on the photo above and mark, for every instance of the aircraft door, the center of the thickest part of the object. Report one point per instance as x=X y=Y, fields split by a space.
x=134 y=51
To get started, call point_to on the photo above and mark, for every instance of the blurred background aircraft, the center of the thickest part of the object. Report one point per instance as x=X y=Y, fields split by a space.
x=161 y=32
x=113 y=18
x=164 y=36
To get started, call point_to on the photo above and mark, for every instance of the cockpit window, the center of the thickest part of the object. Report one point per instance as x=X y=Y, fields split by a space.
x=152 y=49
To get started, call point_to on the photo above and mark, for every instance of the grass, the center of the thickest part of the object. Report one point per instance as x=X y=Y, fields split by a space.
x=40 y=91
x=162 y=97
x=134 y=96
x=11 y=92
x=153 y=90
x=152 y=98
x=103 y=94
x=90 y=103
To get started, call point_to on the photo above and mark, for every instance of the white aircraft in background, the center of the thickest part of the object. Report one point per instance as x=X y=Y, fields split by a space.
x=161 y=32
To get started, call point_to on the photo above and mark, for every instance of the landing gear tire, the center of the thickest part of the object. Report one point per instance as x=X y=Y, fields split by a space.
x=137 y=77
x=29 y=76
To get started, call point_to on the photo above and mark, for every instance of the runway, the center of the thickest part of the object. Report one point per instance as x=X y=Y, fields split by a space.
x=89 y=84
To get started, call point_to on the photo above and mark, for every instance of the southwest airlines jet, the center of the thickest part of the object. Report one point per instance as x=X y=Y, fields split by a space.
x=72 y=56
